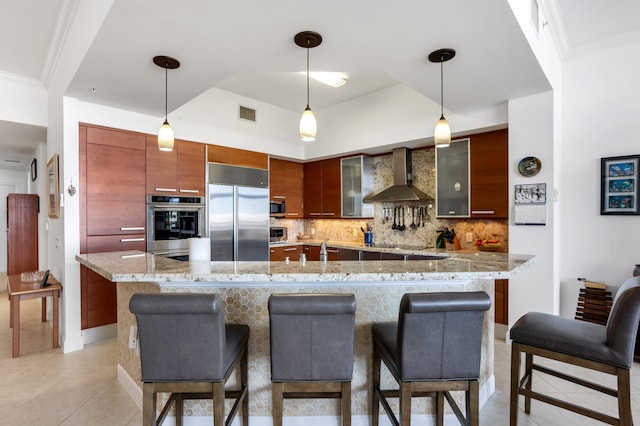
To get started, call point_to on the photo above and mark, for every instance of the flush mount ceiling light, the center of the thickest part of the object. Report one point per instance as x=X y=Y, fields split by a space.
x=165 y=135
x=442 y=132
x=332 y=79
x=308 y=124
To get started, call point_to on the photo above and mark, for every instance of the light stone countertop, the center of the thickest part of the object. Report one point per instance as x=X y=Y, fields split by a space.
x=136 y=266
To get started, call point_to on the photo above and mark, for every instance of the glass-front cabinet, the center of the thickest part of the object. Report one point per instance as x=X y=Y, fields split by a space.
x=357 y=182
x=452 y=180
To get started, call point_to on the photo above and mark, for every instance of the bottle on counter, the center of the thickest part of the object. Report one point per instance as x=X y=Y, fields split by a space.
x=323 y=251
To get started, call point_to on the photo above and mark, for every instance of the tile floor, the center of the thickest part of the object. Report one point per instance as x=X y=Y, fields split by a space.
x=46 y=387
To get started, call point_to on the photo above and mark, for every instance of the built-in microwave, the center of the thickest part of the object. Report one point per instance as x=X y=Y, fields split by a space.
x=277 y=208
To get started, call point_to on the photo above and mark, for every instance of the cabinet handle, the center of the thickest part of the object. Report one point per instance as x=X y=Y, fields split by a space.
x=292 y=214
x=282 y=197
x=332 y=250
x=483 y=212
x=166 y=190
x=328 y=214
x=291 y=249
x=130 y=240
x=134 y=228
x=315 y=214
x=272 y=251
x=452 y=212
x=190 y=191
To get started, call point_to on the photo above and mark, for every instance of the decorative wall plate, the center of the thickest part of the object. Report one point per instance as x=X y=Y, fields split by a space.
x=529 y=166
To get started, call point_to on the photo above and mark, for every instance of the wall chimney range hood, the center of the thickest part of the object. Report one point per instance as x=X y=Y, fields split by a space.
x=402 y=189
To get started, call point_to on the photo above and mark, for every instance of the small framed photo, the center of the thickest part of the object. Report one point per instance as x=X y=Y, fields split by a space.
x=619 y=185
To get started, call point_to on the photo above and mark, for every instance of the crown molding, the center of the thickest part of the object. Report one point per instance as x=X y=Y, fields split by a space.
x=64 y=20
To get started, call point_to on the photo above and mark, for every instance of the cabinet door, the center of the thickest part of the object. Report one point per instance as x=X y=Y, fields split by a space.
x=452 y=180
x=331 y=191
x=348 y=254
x=277 y=180
x=115 y=188
x=100 y=243
x=312 y=252
x=294 y=182
x=276 y=254
x=489 y=175
x=98 y=300
x=161 y=169
x=502 y=301
x=292 y=252
x=370 y=255
x=191 y=168
x=313 y=189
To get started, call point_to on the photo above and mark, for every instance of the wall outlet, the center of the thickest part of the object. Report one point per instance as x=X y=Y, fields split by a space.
x=469 y=237
x=133 y=337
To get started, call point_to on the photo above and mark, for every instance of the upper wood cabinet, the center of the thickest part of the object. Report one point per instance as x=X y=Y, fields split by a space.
x=181 y=171
x=237 y=157
x=322 y=194
x=489 y=175
x=286 y=184
x=114 y=181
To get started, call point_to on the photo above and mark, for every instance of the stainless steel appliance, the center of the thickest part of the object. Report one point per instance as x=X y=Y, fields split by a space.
x=277 y=234
x=277 y=208
x=171 y=221
x=238 y=213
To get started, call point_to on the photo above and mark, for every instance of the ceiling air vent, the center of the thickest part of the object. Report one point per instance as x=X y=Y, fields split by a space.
x=247 y=114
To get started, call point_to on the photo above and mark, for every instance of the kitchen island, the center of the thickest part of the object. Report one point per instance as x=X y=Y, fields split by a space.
x=246 y=286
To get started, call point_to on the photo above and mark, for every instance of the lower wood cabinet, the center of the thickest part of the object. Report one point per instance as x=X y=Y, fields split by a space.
x=98 y=300
x=502 y=302
x=280 y=253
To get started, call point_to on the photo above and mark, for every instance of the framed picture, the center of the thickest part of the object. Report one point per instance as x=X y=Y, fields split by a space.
x=619 y=187
x=34 y=170
x=53 y=201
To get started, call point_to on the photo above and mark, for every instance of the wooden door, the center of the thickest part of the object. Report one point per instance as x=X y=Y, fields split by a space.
x=191 y=168
x=22 y=233
x=313 y=189
x=277 y=180
x=489 y=163
x=331 y=191
x=161 y=169
x=294 y=182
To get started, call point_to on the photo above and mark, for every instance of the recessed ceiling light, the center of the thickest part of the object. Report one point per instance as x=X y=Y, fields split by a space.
x=332 y=79
x=93 y=90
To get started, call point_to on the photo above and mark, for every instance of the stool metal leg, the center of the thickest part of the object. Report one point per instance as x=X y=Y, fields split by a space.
x=473 y=401
x=244 y=383
x=218 y=404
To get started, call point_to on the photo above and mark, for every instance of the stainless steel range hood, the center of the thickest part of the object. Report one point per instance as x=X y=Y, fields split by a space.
x=402 y=189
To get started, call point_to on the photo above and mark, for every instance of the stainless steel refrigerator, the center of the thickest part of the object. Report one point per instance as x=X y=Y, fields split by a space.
x=238 y=206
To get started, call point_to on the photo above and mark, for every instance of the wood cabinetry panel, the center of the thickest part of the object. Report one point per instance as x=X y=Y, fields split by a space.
x=313 y=189
x=191 y=168
x=277 y=179
x=322 y=194
x=100 y=243
x=280 y=253
x=98 y=300
x=161 y=168
x=115 y=137
x=489 y=163
x=115 y=190
x=286 y=183
x=502 y=301
x=22 y=233
x=237 y=157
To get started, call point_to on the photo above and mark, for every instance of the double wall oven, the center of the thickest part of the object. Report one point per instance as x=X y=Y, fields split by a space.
x=171 y=221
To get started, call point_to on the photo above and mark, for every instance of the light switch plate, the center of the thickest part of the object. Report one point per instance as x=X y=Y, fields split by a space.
x=469 y=237
x=133 y=337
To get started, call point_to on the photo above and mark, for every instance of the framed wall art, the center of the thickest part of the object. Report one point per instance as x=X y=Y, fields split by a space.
x=53 y=201
x=619 y=185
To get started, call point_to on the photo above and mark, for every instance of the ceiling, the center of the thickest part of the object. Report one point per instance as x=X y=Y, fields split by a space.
x=247 y=48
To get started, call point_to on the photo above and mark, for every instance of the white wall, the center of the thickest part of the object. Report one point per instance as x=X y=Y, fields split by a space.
x=600 y=119
x=531 y=134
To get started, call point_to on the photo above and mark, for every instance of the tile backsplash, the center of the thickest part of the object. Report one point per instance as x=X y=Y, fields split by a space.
x=348 y=230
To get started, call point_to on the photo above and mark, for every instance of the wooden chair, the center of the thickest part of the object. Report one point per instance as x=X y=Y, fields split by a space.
x=608 y=349
x=187 y=350
x=312 y=339
x=433 y=349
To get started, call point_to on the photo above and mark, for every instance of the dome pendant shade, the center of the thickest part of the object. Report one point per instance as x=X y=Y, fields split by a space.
x=165 y=134
x=442 y=133
x=308 y=125
x=165 y=137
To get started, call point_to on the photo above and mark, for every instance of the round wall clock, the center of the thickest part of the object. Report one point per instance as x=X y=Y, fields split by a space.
x=529 y=166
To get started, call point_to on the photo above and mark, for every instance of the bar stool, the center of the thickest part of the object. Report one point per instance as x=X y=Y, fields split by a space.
x=187 y=350
x=608 y=349
x=312 y=348
x=433 y=349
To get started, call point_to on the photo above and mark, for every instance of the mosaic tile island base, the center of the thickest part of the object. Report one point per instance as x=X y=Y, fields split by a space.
x=245 y=288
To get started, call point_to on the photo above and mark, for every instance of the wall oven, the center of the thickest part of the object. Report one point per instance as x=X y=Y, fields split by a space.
x=171 y=221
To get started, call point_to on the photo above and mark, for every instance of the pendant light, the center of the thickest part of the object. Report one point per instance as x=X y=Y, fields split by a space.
x=308 y=124
x=442 y=132
x=165 y=135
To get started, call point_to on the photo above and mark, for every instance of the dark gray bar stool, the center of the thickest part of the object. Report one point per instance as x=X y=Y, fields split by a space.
x=312 y=348
x=187 y=350
x=433 y=349
x=608 y=349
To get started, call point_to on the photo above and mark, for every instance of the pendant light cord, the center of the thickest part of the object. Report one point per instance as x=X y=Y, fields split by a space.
x=441 y=90
x=307 y=73
x=166 y=90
